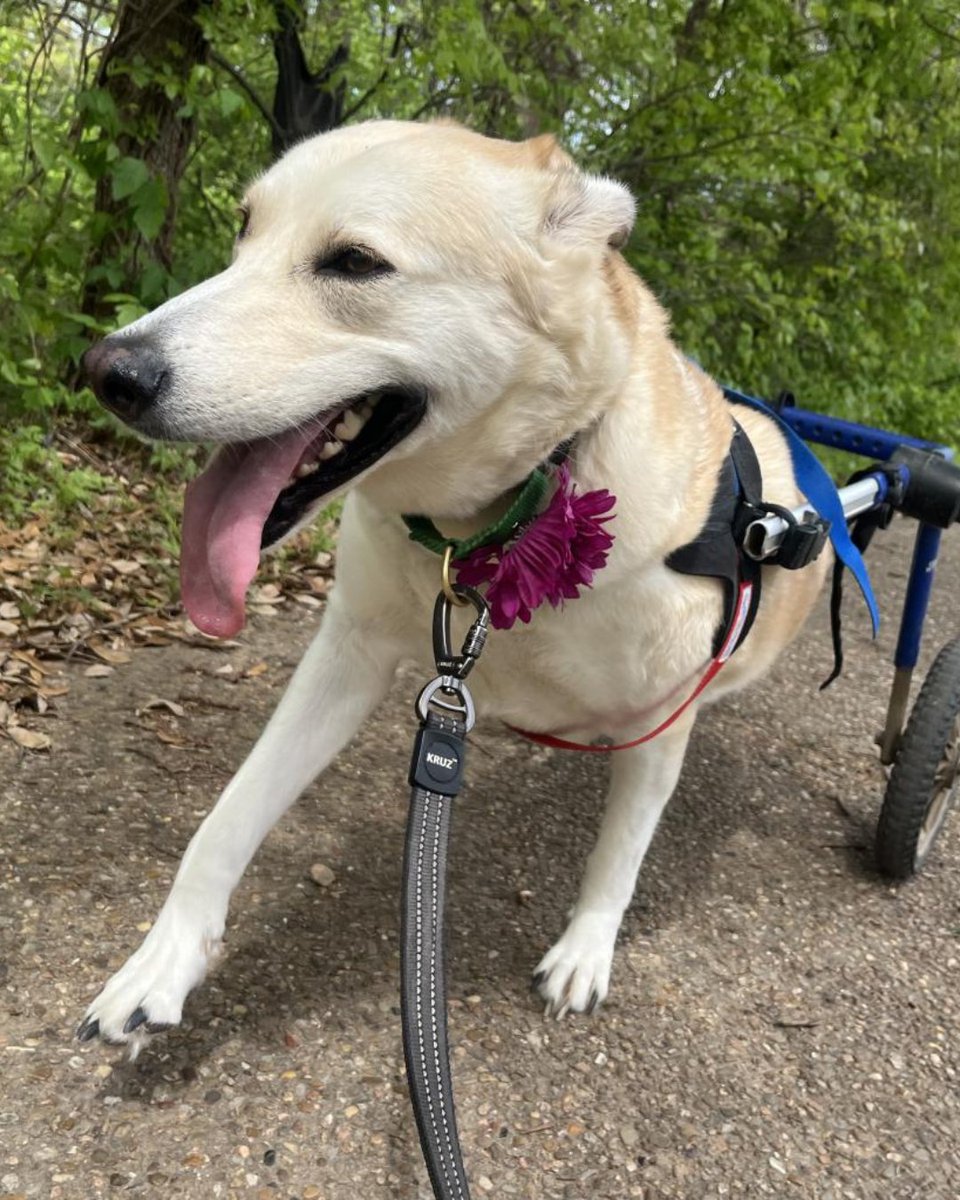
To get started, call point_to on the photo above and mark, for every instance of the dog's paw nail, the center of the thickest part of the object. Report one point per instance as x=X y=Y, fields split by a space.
x=135 y=1020
x=593 y=1002
x=538 y=978
x=88 y=1029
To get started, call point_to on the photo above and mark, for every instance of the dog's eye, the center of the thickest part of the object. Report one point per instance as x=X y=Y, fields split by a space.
x=244 y=214
x=352 y=262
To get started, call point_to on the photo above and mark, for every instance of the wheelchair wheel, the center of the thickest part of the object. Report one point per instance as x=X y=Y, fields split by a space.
x=925 y=779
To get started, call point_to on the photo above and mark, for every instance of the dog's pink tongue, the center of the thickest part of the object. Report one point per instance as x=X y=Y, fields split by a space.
x=223 y=517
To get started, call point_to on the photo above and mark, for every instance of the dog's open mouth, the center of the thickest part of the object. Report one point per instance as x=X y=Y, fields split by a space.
x=252 y=493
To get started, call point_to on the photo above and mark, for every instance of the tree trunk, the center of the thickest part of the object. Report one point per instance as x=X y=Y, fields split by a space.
x=153 y=36
x=304 y=103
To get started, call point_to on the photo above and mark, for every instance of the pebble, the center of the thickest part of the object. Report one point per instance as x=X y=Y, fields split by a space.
x=322 y=875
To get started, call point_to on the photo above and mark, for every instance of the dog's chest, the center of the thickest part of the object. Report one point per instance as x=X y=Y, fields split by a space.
x=598 y=665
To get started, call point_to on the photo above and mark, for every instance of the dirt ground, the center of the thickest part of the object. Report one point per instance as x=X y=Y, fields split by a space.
x=782 y=1021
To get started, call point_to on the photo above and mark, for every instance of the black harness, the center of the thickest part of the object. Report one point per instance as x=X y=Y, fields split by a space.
x=718 y=549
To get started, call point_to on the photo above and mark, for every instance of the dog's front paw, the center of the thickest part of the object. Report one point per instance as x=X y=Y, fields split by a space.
x=146 y=995
x=574 y=975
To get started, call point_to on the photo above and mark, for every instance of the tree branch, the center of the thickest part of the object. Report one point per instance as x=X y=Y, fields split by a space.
x=355 y=108
x=257 y=100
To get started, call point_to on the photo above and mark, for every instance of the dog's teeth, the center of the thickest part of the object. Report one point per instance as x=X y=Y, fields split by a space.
x=349 y=426
x=328 y=450
x=305 y=469
x=374 y=399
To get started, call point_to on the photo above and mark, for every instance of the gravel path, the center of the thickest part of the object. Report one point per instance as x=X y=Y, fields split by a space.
x=782 y=1021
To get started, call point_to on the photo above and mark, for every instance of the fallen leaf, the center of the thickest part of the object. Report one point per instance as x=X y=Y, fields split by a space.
x=158 y=702
x=109 y=655
x=256 y=670
x=29 y=739
x=98 y=671
x=170 y=739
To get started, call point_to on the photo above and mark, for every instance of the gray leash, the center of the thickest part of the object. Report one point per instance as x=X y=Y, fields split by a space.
x=446 y=712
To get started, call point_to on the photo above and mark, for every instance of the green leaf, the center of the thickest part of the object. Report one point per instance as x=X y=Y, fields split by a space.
x=229 y=101
x=150 y=208
x=128 y=175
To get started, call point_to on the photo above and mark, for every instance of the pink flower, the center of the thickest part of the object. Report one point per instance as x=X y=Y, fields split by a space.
x=553 y=557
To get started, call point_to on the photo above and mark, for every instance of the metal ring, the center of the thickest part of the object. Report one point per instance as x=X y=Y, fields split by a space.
x=446 y=582
x=449 y=686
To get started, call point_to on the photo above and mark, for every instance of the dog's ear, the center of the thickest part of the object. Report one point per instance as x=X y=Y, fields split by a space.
x=590 y=209
x=548 y=154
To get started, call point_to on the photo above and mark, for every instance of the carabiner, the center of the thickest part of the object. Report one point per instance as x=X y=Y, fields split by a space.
x=448 y=663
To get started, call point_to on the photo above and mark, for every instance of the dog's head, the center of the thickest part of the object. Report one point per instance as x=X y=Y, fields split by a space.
x=416 y=307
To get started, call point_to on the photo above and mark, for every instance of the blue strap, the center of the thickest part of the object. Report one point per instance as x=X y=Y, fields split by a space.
x=820 y=491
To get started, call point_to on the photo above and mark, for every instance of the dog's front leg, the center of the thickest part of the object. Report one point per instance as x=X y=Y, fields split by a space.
x=574 y=975
x=344 y=674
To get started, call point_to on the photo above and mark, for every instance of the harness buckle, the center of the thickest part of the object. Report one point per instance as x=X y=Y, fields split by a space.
x=803 y=542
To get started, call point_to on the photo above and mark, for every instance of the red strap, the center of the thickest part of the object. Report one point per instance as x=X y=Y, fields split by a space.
x=744 y=597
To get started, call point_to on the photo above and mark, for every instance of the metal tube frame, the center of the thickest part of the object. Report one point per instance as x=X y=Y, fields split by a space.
x=881 y=444
x=762 y=537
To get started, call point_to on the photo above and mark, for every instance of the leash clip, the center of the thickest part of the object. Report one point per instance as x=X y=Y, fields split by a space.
x=447 y=697
x=459 y=665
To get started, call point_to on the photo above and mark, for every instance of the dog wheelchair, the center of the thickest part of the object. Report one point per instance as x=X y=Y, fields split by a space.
x=917 y=479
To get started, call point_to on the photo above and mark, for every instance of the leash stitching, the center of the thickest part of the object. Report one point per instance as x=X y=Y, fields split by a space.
x=420 y=1038
x=428 y=797
x=433 y=985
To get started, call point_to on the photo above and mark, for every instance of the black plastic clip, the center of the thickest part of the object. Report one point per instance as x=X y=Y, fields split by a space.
x=800 y=543
x=803 y=542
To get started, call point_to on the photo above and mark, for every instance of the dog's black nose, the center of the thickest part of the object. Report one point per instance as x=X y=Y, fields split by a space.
x=126 y=374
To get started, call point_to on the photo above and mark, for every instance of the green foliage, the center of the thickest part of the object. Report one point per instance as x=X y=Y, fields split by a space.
x=35 y=479
x=797 y=166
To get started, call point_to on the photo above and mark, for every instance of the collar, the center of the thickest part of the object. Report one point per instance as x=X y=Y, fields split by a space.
x=524 y=508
